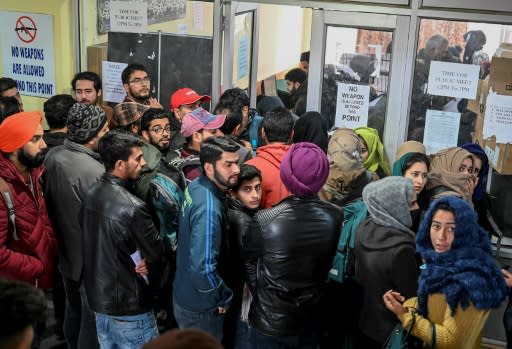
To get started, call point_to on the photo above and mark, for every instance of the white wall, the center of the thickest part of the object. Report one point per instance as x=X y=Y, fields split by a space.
x=280 y=39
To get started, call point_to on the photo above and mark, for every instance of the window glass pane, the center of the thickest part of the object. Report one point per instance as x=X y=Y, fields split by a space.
x=445 y=111
x=356 y=59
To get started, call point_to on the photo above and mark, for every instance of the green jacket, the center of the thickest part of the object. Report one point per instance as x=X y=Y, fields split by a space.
x=152 y=156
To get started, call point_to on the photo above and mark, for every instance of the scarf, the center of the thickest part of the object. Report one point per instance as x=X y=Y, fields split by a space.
x=467 y=274
x=311 y=127
x=444 y=171
x=346 y=167
x=402 y=154
x=477 y=150
x=388 y=201
x=376 y=157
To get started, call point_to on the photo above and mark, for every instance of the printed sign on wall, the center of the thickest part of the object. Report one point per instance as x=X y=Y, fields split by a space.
x=28 y=52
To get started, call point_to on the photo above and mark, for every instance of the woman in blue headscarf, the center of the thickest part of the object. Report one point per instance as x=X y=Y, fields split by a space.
x=459 y=283
x=480 y=171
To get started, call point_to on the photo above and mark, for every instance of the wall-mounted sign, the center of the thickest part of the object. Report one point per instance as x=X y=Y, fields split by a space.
x=28 y=52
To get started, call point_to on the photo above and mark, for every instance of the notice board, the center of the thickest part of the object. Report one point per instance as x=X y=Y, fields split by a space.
x=182 y=60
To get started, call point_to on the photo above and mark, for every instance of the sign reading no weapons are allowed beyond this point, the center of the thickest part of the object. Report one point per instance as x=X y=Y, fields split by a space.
x=26 y=29
x=28 y=52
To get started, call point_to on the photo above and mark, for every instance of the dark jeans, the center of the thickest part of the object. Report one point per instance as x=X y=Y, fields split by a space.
x=260 y=340
x=59 y=301
x=79 y=320
x=242 y=335
x=211 y=322
x=507 y=322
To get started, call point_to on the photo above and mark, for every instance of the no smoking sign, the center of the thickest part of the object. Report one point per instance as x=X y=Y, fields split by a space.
x=26 y=29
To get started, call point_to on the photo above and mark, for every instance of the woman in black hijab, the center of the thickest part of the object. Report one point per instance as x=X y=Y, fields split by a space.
x=311 y=127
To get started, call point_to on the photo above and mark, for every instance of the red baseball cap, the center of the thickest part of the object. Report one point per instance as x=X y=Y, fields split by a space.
x=186 y=96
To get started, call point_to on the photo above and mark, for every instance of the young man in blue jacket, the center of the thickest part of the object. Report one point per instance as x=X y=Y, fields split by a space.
x=201 y=296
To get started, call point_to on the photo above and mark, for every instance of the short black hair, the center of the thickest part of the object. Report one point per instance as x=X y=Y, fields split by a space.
x=22 y=305
x=278 y=125
x=87 y=75
x=247 y=173
x=233 y=99
x=125 y=75
x=233 y=119
x=8 y=107
x=415 y=158
x=296 y=75
x=443 y=207
x=304 y=56
x=7 y=84
x=56 y=110
x=212 y=149
x=150 y=115
x=117 y=145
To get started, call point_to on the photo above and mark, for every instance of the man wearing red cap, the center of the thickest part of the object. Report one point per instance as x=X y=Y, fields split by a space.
x=27 y=242
x=185 y=100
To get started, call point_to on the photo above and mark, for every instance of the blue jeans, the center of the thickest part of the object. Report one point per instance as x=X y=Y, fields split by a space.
x=125 y=332
x=79 y=323
x=211 y=322
x=260 y=340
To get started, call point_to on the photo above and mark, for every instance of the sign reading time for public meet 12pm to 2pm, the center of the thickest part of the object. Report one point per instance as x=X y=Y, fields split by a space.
x=28 y=52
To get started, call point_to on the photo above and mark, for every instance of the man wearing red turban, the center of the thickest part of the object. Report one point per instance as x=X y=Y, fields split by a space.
x=27 y=241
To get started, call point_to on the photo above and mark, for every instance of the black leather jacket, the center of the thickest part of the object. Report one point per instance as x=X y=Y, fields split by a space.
x=292 y=254
x=115 y=224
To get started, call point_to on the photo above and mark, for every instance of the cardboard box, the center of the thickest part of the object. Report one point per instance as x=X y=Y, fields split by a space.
x=500 y=81
x=504 y=51
x=500 y=155
x=477 y=106
x=500 y=78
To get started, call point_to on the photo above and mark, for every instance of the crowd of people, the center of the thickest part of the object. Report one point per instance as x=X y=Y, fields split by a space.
x=259 y=229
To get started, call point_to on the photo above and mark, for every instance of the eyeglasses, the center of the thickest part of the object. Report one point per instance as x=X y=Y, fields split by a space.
x=159 y=130
x=139 y=81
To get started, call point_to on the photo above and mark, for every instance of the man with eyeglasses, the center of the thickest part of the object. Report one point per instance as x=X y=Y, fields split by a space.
x=137 y=85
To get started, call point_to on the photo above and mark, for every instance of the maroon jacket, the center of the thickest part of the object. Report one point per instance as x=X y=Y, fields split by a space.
x=31 y=258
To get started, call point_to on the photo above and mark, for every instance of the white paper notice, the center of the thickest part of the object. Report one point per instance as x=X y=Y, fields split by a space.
x=182 y=28
x=453 y=79
x=128 y=16
x=137 y=258
x=498 y=118
x=352 y=105
x=441 y=130
x=113 y=90
x=197 y=10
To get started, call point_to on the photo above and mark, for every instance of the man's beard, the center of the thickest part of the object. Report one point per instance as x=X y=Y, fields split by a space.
x=221 y=180
x=141 y=99
x=163 y=148
x=31 y=161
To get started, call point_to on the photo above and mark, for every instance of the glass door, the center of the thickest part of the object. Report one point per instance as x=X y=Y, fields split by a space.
x=240 y=47
x=355 y=78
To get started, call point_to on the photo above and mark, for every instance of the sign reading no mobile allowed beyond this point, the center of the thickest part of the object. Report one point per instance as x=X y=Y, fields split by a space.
x=28 y=52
